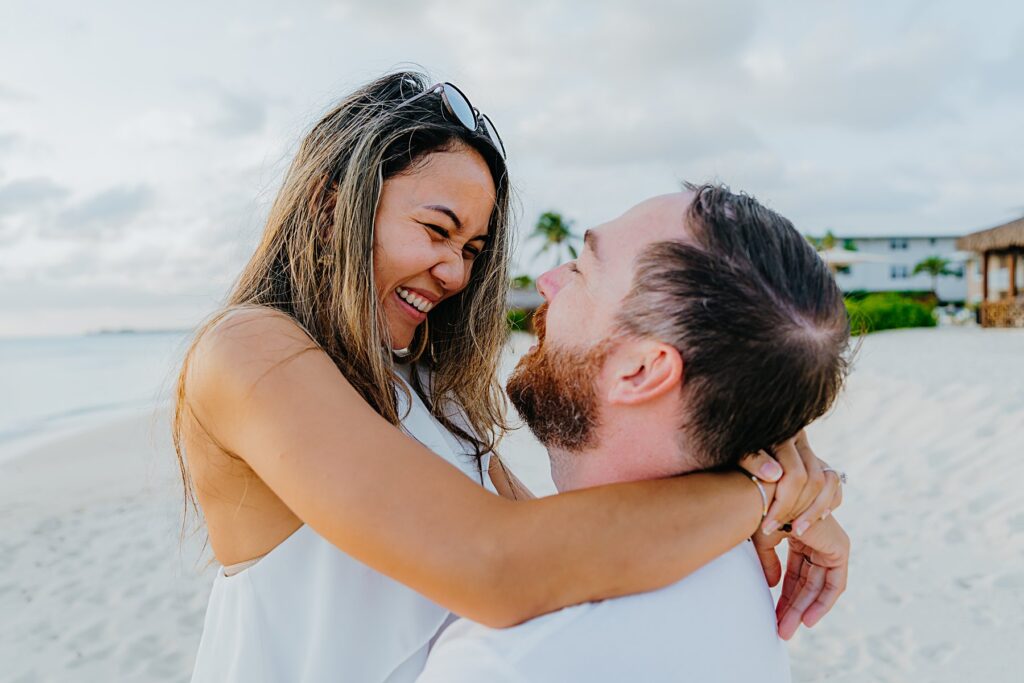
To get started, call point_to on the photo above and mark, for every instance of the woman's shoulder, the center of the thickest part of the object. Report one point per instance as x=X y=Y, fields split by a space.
x=253 y=321
x=243 y=344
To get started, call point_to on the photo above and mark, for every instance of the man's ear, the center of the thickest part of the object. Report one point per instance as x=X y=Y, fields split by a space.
x=646 y=372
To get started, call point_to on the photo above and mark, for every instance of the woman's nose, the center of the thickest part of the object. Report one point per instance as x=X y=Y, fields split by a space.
x=451 y=271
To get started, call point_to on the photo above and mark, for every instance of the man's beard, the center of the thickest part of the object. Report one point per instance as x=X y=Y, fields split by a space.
x=554 y=391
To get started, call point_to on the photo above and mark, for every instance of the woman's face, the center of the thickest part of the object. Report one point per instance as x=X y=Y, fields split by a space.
x=431 y=224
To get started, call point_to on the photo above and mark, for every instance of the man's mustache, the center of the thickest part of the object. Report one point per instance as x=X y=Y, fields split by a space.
x=540 y=318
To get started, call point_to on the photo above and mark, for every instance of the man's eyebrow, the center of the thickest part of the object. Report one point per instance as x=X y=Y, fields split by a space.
x=590 y=239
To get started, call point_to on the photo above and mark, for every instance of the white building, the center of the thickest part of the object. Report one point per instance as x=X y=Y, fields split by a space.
x=895 y=267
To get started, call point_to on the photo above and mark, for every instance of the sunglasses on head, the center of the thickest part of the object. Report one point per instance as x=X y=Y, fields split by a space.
x=457 y=104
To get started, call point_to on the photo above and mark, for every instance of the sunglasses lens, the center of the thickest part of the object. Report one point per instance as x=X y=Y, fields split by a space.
x=460 y=106
x=492 y=133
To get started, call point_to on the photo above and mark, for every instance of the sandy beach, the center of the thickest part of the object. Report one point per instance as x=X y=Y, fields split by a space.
x=95 y=585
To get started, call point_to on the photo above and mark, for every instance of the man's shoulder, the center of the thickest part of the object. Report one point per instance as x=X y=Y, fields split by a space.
x=693 y=626
x=468 y=651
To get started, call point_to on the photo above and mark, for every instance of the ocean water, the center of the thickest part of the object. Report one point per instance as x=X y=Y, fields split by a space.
x=49 y=386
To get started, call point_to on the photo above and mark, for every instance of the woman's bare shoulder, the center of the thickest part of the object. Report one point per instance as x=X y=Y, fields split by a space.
x=254 y=324
x=244 y=345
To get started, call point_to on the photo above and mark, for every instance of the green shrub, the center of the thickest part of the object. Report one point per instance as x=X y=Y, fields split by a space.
x=888 y=311
x=924 y=296
x=518 y=320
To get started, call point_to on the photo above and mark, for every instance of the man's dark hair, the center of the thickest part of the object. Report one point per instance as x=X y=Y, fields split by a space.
x=756 y=316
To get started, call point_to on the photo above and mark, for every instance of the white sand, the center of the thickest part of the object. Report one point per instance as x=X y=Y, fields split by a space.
x=931 y=433
x=94 y=585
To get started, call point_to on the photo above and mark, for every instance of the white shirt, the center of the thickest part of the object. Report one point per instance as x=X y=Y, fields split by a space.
x=309 y=613
x=718 y=624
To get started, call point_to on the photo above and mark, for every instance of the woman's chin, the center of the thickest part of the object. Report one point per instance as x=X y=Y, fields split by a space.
x=401 y=335
x=402 y=340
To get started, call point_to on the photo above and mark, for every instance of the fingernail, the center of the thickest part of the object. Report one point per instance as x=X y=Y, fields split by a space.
x=826 y=513
x=770 y=471
x=769 y=526
x=801 y=527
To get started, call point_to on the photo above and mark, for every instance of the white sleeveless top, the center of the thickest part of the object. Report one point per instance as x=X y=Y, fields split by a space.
x=309 y=613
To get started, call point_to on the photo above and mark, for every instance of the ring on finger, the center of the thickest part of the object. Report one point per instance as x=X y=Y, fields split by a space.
x=841 y=475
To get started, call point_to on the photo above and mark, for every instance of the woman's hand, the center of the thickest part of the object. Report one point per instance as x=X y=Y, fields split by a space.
x=819 y=550
x=805 y=491
x=762 y=466
x=816 y=574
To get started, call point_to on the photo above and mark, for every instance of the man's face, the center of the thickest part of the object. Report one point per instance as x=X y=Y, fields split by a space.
x=557 y=387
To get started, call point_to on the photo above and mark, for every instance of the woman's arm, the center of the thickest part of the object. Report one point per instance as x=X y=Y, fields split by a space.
x=267 y=395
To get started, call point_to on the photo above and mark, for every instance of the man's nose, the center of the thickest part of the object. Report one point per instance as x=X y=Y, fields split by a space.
x=550 y=282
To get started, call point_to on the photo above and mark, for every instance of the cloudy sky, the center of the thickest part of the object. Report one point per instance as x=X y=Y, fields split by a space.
x=139 y=150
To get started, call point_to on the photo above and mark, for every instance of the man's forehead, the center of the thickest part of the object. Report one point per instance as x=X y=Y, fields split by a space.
x=653 y=220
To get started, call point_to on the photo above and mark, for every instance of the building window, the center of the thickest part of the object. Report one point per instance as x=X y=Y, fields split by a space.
x=898 y=244
x=899 y=272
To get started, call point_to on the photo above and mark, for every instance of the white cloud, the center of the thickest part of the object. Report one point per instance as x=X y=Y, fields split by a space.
x=9 y=94
x=107 y=212
x=29 y=194
x=9 y=142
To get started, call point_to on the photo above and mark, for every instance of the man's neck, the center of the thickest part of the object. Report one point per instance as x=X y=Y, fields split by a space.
x=624 y=450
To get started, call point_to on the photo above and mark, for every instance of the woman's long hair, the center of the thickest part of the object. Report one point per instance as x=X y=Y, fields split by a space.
x=315 y=264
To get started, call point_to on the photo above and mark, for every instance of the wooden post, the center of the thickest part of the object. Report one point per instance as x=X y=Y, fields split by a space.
x=984 y=277
x=1013 y=274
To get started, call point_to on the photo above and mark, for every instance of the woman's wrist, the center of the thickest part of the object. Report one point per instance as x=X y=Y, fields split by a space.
x=765 y=492
x=752 y=504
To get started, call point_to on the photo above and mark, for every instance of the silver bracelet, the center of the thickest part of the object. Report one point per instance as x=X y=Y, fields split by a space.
x=764 y=495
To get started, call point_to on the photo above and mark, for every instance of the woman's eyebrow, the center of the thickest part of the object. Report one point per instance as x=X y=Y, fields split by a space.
x=440 y=208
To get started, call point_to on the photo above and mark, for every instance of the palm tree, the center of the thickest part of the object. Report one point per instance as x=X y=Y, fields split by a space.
x=829 y=242
x=556 y=233
x=936 y=267
x=823 y=243
x=523 y=281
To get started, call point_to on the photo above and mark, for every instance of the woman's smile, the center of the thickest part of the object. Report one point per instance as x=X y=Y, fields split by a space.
x=418 y=299
x=415 y=314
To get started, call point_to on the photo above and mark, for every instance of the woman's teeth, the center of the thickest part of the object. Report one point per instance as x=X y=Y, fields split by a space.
x=414 y=300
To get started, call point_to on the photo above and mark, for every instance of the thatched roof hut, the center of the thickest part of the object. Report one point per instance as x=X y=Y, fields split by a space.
x=998 y=238
x=1005 y=243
